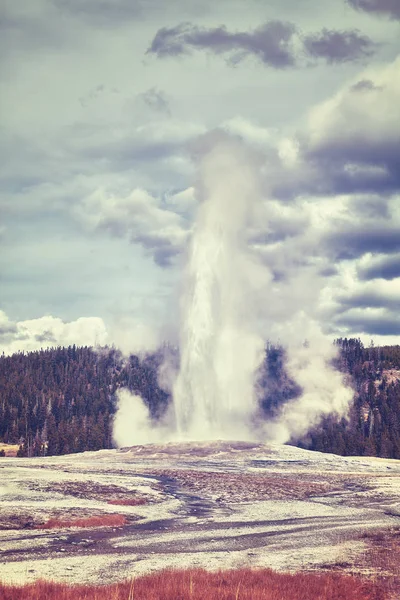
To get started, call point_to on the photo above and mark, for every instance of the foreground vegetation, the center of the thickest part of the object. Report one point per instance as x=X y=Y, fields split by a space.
x=197 y=584
x=63 y=400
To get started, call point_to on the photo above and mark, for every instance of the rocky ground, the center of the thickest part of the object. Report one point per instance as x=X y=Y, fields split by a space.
x=214 y=505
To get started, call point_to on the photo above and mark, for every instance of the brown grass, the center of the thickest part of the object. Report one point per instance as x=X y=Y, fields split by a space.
x=128 y=501
x=98 y=521
x=240 y=487
x=383 y=558
x=87 y=490
x=197 y=584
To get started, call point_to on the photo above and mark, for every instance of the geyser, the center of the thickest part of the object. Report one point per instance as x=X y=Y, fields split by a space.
x=220 y=349
x=222 y=342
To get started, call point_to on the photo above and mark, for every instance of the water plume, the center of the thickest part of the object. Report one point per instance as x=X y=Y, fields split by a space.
x=220 y=349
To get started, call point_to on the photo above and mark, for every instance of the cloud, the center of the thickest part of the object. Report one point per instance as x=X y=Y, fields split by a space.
x=141 y=217
x=271 y=43
x=379 y=322
x=338 y=46
x=348 y=241
x=131 y=336
x=386 y=8
x=365 y=307
x=354 y=137
x=380 y=267
x=377 y=294
x=34 y=334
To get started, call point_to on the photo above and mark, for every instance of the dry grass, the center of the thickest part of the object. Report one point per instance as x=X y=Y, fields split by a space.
x=86 y=490
x=97 y=521
x=197 y=584
x=239 y=487
x=128 y=501
x=383 y=559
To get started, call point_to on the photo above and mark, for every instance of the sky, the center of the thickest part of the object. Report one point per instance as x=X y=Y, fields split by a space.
x=102 y=103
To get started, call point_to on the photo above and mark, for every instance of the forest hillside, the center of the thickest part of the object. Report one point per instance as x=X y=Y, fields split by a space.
x=63 y=400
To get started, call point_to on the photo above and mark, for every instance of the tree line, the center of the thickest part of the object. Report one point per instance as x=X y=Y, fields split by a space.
x=63 y=400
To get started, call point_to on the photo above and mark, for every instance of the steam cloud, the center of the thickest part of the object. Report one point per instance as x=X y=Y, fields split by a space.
x=309 y=363
x=221 y=339
x=132 y=423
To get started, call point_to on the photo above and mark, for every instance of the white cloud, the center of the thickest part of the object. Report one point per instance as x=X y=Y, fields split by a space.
x=129 y=335
x=139 y=215
x=49 y=331
x=365 y=112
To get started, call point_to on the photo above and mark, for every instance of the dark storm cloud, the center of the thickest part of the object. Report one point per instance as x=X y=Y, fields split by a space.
x=352 y=242
x=387 y=324
x=383 y=267
x=270 y=43
x=387 y=8
x=338 y=46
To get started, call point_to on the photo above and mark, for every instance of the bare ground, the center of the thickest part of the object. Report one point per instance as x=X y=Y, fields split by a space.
x=217 y=505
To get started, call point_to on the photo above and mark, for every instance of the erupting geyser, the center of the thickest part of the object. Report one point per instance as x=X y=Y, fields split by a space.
x=221 y=347
x=220 y=350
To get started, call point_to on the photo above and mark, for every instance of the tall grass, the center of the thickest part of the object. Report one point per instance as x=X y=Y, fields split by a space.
x=383 y=558
x=197 y=584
